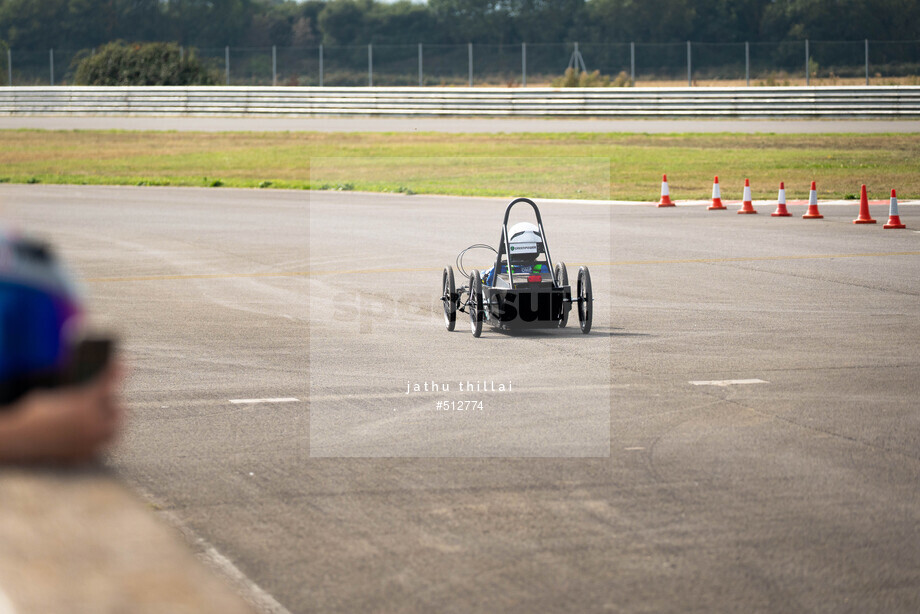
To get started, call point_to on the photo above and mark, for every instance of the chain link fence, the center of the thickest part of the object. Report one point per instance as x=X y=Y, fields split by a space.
x=530 y=64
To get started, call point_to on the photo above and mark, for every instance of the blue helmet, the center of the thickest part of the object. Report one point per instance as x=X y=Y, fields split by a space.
x=40 y=309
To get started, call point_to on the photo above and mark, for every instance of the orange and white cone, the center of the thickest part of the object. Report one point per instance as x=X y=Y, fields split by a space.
x=781 y=210
x=665 y=193
x=716 y=196
x=894 y=220
x=747 y=205
x=812 y=213
x=864 y=216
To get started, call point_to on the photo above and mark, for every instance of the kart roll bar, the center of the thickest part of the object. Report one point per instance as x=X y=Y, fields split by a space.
x=504 y=244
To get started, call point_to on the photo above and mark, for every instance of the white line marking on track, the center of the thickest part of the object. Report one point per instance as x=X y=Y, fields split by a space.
x=263 y=600
x=254 y=401
x=251 y=592
x=729 y=382
x=635 y=449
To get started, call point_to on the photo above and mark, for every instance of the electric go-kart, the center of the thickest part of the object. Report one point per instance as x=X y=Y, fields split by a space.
x=522 y=290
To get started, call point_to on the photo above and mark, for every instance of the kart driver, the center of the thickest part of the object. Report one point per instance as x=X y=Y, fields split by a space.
x=526 y=244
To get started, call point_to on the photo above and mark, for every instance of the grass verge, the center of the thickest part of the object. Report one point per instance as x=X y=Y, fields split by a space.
x=618 y=166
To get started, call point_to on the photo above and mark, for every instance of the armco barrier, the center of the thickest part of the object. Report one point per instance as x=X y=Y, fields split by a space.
x=768 y=102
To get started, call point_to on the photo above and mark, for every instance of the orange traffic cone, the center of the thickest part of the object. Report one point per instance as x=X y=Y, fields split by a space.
x=747 y=206
x=864 y=217
x=716 y=196
x=665 y=193
x=894 y=220
x=812 y=213
x=781 y=210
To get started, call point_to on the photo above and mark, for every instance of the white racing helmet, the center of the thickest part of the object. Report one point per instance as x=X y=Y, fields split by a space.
x=525 y=241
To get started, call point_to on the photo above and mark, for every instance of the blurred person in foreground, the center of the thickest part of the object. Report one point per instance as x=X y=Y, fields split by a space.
x=59 y=391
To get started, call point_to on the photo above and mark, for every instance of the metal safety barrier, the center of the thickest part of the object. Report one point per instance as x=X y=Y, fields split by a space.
x=760 y=102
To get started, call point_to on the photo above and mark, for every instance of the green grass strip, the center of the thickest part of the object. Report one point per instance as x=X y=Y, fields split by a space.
x=593 y=166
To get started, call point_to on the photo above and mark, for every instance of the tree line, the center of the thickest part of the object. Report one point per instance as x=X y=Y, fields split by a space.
x=85 y=24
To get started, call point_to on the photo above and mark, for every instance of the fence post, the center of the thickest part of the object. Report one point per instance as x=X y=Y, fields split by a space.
x=420 y=73
x=867 y=61
x=181 y=53
x=807 y=71
x=469 y=47
x=632 y=62
x=747 y=63
x=523 y=64
x=9 y=65
x=321 y=66
x=689 y=67
x=370 y=65
x=274 y=66
x=227 y=62
x=51 y=63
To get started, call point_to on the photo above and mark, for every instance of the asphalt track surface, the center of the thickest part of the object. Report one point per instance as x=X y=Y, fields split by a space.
x=457 y=124
x=798 y=493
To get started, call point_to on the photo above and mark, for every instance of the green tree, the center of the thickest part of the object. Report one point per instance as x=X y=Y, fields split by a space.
x=75 y=24
x=547 y=21
x=37 y=25
x=842 y=19
x=208 y=23
x=401 y=22
x=477 y=21
x=341 y=22
x=641 y=20
x=142 y=64
x=720 y=21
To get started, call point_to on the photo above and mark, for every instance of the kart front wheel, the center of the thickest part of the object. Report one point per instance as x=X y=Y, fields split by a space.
x=562 y=279
x=476 y=313
x=585 y=300
x=448 y=297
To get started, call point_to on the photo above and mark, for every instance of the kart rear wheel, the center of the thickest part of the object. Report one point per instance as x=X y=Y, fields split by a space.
x=585 y=298
x=562 y=279
x=476 y=313
x=449 y=289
